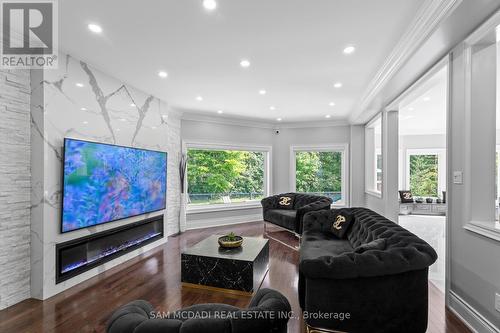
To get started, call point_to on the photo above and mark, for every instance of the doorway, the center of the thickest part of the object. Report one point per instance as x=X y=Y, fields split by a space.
x=422 y=167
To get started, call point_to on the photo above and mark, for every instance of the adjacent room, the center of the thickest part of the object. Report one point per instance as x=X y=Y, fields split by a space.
x=243 y=166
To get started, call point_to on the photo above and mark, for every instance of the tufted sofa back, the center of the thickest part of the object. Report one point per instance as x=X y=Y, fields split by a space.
x=302 y=199
x=403 y=250
x=268 y=312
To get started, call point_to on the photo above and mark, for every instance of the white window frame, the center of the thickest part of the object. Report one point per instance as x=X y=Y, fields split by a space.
x=441 y=154
x=487 y=228
x=341 y=148
x=267 y=150
x=371 y=169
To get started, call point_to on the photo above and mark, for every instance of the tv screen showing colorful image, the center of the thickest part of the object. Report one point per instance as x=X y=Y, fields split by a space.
x=104 y=183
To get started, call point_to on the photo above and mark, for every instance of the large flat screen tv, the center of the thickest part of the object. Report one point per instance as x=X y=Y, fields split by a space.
x=104 y=183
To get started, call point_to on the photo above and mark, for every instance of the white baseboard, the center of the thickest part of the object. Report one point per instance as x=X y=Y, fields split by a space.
x=470 y=316
x=221 y=221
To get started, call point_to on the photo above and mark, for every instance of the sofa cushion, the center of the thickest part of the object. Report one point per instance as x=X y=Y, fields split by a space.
x=377 y=244
x=285 y=201
x=340 y=223
x=317 y=244
x=282 y=217
x=405 y=196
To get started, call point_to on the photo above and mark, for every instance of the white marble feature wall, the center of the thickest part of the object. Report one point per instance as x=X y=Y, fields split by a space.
x=14 y=186
x=81 y=102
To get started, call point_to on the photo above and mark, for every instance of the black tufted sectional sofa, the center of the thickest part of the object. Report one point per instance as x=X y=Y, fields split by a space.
x=268 y=312
x=383 y=287
x=291 y=219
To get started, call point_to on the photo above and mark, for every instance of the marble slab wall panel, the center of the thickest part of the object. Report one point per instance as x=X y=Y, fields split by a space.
x=14 y=186
x=81 y=102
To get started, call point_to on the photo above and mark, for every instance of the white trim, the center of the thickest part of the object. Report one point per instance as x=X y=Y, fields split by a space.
x=257 y=123
x=487 y=229
x=342 y=148
x=485 y=28
x=421 y=81
x=221 y=145
x=222 y=207
x=427 y=19
x=222 y=221
x=371 y=171
x=470 y=316
x=374 y=193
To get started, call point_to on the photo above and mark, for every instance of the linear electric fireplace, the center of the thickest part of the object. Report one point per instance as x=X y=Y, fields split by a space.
x=80 y=255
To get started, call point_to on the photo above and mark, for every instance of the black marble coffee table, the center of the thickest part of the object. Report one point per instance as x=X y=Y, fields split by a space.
x=239 y=270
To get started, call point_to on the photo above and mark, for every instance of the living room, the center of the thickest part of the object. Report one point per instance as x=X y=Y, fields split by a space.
x=250 y=166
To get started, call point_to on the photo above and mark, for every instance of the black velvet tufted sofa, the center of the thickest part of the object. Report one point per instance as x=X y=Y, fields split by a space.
x=291 y=219
x=268 y=312
x=378 y=275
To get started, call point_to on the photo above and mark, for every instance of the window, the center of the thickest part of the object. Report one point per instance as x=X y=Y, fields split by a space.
x=482 y=134
x=426 y=172
x=374 y=157
x=226 y=177
x=320 y=171
x=424 y=175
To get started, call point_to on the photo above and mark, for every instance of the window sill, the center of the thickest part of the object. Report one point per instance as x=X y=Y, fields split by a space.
x=221 y=207
x=487 y=229
x=374 y=193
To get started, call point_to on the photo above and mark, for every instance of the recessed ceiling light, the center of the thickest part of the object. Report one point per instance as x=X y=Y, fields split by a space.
x=220 y=111
x=349 y=49
x=331 y=104
x=132 y=105
x=79 y=85
x=279 y=119
x=328 y=116
x=427 y=98
x=83 y=109
x=210 y=4
x=85 y=122
x=94 y=28
x=245 y=63
x=338 y=85
x=162 y=74
x=262 y=92
x=272 y=108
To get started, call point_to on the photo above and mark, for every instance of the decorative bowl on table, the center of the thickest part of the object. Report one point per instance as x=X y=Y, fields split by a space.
x=230 y=241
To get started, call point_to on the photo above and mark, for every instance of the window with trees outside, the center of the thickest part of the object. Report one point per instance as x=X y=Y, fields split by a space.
x=373 y=157
x=226 y=176
x=320 y=171
x=426 y=172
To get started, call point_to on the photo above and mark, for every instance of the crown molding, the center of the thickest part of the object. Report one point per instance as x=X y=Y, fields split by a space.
x=429 y=16
x=237 y=121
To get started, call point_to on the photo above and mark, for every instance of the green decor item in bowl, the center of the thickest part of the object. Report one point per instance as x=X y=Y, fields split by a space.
x=230 y=241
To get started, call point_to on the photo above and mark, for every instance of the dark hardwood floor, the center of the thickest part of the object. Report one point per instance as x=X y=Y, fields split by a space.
x=155 y=277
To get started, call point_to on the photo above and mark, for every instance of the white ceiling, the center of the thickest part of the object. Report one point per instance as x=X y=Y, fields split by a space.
x=294 y=46
x=424 y=111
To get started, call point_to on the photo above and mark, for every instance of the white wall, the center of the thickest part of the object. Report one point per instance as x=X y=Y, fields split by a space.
x=301 y=136
x=14 y=186
x=99 y=111
x=474 y=273
x=217 y=130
